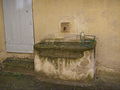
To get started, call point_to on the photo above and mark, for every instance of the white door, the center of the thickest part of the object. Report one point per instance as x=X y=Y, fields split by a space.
x=18 y=25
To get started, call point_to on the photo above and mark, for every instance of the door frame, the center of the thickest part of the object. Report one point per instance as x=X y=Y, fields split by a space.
x=5 y=32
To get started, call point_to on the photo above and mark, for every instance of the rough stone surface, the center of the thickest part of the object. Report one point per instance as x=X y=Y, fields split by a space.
x=18 y=64
x=67 y=69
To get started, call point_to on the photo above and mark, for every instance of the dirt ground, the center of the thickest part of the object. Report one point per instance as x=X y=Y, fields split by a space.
x=17 y=81
x=20 y=75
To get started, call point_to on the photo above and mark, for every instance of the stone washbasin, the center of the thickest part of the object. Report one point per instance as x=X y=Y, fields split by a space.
x=64 y=49
x=66 y=59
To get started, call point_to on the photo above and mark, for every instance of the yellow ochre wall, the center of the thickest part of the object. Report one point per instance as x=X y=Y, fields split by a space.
x=1 y=28
x=98 y=17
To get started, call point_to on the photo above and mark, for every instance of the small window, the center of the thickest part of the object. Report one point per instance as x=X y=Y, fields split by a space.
x=65 y=27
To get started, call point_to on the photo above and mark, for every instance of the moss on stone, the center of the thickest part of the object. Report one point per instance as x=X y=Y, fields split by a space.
x=18 y=64
x=61 y=49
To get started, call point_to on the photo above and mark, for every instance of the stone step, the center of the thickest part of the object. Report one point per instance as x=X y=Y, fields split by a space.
x=18 y=65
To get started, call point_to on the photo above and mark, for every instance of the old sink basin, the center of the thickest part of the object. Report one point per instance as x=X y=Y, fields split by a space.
x=64 y=49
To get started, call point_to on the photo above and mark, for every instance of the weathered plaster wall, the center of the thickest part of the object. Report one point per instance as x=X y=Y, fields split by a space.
x=2 y=39
x=97 y=17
